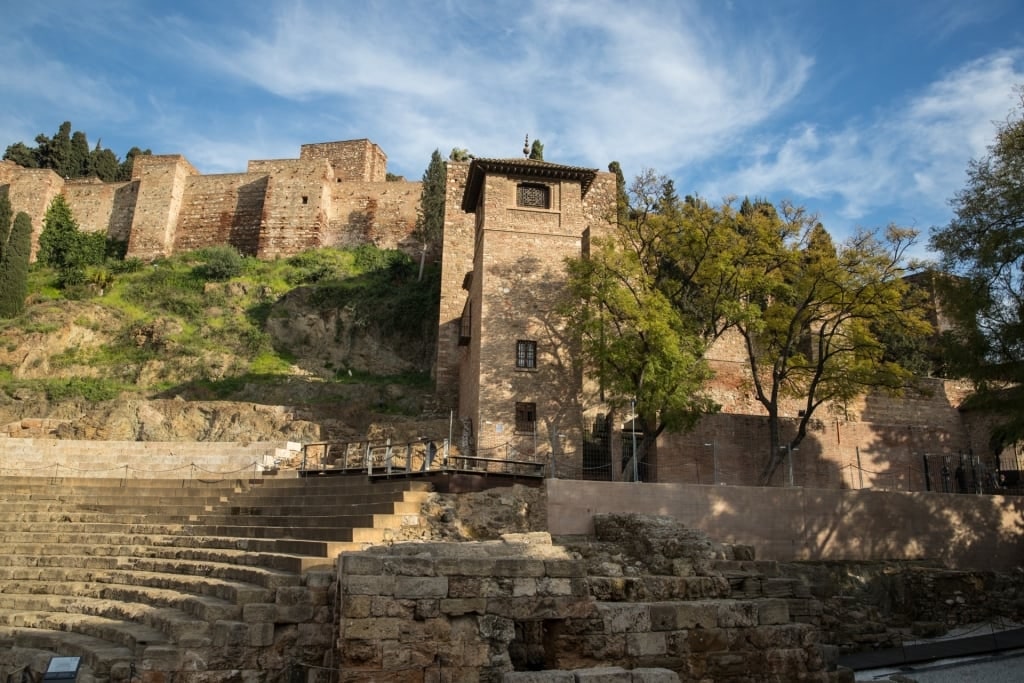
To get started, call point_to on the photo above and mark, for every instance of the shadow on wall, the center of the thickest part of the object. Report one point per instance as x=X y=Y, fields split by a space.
x=960 y=531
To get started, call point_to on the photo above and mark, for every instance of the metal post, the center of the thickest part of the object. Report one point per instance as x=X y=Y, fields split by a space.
x=714 y=458
x=860 y=469
x=789 y=456
x=636 y=471
x=927 y=475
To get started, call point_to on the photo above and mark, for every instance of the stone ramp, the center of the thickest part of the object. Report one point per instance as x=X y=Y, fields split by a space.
x=181 y=579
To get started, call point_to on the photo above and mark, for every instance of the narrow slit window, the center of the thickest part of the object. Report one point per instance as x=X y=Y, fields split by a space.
x=305 y=199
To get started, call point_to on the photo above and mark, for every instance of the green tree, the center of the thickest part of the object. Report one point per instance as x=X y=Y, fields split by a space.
x=982 y=249
x=5 y=221
x=537 y=150
x=14 y=267
x=125 y=172
x=79 y=165
x=430 y=214
x=621 y=195
x=22 y=154
x=63 y=247
x=459 y=154
x=104 y=163
x=806 y=311
x=646 y=351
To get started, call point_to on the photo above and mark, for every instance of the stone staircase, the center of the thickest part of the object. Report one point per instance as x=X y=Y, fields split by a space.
x=184 y=580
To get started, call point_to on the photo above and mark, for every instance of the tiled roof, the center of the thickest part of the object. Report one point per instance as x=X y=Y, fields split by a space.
x=527 y=168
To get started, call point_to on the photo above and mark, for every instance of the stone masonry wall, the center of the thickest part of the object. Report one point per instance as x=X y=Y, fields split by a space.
x=379 y=213
x=30 y=190
x=295 y=207
x=221 y=209
x=352 y=160
x=103 y=207
x=162 y=181
x=492 y=611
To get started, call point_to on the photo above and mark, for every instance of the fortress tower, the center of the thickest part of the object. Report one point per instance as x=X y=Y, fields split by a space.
x=504 y=355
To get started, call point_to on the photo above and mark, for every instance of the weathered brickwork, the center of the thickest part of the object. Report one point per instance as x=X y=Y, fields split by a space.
x=351 y=160
x=30 y=190
x=335 y=194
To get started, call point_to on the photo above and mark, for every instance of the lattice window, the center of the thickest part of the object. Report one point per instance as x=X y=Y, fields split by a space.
x=533 y=196
x=526 y=354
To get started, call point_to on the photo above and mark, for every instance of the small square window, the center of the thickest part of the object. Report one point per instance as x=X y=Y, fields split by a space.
x=526 y=417
x=533 y=196
x=305 y=199
x=526 y=354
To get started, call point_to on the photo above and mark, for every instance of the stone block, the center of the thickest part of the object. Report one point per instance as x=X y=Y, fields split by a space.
x=646 y=644
x=550 y=586
x=538 y=677
x=416 y=587
x=772 y=612
x=361 y=564
x=625 y=617
x=294 y=614
x=409 y=566
x=382 y=628
x=607 y=674
x=427 y=609
x=732 y=614
x=230 y=633
x=524 y=588
x=256 y=612
x=465 y=587
x=368 y=585
x=565 y=568
x=261 y=634
x=518 y=567
x=466 y=566
x=654 y=675
x=459 y=606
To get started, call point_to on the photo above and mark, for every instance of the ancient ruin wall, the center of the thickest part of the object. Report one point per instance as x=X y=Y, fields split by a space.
x=458 y=261
x=295 y=207
x=379 y=213
x=103 y=207
x=351 y=160
x=162 y=182
x=221 y=209
x=30 y=190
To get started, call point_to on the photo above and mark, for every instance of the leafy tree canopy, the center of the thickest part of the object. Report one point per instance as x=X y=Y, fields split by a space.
x=982 y=249
x=537 y=150
x=67 y=154
x=675 y=275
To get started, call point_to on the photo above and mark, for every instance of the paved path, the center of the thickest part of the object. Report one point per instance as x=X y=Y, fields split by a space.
x=1007 y=667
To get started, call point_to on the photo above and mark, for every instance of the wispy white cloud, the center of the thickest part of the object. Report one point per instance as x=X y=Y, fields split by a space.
x=914 y=153
x=649 y=85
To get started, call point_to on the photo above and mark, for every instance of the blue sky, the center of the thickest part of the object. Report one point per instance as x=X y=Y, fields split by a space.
x=866 y=112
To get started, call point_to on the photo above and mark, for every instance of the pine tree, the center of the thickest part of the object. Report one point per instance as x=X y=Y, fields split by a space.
x=5 y=222
x=430 y=217
x=14 y=267
x=537 y=150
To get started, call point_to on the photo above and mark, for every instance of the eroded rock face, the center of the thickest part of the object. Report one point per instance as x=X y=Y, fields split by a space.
x=176 y=420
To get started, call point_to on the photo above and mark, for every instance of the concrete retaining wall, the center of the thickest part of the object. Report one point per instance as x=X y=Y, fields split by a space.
x=962 y=531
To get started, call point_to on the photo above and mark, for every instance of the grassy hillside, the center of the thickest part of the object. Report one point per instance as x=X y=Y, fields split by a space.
x=214 y=325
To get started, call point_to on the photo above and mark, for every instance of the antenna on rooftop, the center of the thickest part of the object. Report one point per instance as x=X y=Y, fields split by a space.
x=526 y=146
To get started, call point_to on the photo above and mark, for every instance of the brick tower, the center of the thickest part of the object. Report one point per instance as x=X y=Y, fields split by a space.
x=504 y=357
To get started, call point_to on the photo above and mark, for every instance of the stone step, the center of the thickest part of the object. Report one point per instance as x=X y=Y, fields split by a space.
x=307 y=548
x=378 y=515
x=100 y=656
x=258 y=576
x=230 y=591
x=133 y=636
x=182 y=628
x=145 y=504
x=240 y=531
x=288 y=563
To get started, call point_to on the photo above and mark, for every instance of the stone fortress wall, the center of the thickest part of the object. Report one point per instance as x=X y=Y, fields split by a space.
x=334 y=194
